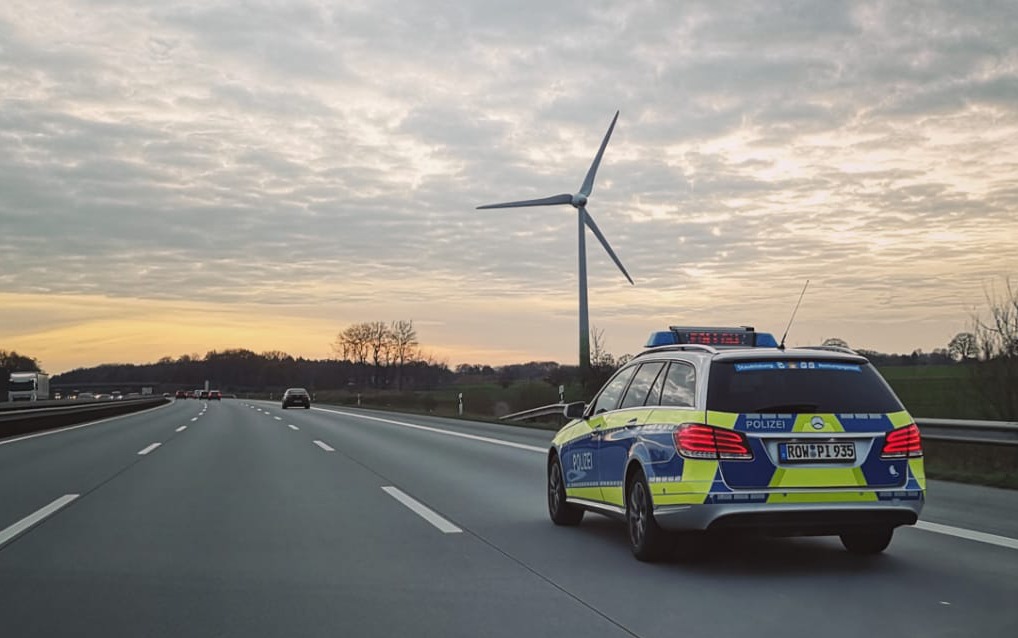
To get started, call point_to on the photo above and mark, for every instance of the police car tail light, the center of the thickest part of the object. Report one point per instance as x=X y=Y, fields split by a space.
x=903 y=442
x=698 y=441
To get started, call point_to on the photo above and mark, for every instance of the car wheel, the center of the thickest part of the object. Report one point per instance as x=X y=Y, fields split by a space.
x=307 y=407
x=868 y=542
x=647 y=540
x=561 y=512
x=284 y=406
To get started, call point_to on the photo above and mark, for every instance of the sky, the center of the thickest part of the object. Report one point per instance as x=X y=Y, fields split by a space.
x=178 y=177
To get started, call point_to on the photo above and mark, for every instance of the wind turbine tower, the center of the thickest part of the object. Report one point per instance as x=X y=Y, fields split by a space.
x=584 y=221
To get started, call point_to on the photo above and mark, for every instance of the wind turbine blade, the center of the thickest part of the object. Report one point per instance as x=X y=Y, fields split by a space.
x=564 y=198
x=588 y=182
x=604 y=242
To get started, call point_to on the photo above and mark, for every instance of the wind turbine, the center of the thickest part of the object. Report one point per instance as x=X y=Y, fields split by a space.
x=579 y=202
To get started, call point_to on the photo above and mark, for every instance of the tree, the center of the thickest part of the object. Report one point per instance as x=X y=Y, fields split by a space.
x=997 y=341
x=964 y=347
x=11 y=361
x=404 y=346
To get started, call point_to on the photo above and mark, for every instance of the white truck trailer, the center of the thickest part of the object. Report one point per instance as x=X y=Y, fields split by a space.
x=28 y=386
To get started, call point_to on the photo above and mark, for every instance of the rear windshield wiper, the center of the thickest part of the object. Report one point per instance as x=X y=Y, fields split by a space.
x=788 y=407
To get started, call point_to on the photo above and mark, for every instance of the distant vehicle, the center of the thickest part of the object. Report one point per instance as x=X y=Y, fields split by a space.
x=203 y=394
x=297 y=396
x=181 y=394
x=104 y=397
x=28 y=386
x=116 y=394
x=215 y=395
x=720 y=430
x=57 y=396
x=85 y=396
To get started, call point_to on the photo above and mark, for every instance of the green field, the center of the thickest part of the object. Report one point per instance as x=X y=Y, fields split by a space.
x=939 y=392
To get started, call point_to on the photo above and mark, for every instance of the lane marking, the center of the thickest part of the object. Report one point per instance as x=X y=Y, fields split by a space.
x=292 y=426
x=181 y=428
x=149 y=449
x=959 y=532
x=324 y=446
x=278 y=418
x=194 y=419
x=21 y=526
x=473 y=437
x=80 y=425
x=422 y=510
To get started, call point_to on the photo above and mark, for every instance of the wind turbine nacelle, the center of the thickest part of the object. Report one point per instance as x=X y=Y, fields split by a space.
x=579 y=200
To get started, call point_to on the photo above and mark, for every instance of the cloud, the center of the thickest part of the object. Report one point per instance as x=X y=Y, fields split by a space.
x=278 y=154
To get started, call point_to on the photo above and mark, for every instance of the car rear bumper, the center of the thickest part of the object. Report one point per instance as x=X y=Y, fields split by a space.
x=790 y=519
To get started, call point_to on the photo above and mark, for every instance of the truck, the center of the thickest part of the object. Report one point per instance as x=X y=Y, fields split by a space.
x=28 y=386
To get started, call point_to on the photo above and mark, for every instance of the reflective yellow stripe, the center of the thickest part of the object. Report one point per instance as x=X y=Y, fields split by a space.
x=589 y=493
x=817 y=477
x=900 y=419
x=722 y=419
x=823 y=497
x=918 y=469
x=614 y=495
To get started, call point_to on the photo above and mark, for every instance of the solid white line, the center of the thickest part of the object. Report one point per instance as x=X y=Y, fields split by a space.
x=324 y=446
x=181 y=428
x=959 y=532
x=278 y=418
x=292 y=426
x=21 y=526
x=81 y=425
x=149 y=449
x=423 y=511
x=473 y=437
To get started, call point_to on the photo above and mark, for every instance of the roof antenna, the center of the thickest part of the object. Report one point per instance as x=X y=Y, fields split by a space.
x=792 y=318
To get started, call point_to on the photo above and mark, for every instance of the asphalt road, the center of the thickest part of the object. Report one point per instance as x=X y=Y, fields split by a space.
x=255 y=521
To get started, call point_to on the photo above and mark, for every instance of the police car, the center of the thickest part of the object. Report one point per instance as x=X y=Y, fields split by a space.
x=721 y=430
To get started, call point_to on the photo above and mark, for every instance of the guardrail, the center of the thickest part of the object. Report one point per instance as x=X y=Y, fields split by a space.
x=22 y=418
x=958 y=431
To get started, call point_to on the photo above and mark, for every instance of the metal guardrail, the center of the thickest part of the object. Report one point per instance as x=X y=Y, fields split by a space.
x=24 y=418
x=959 y=431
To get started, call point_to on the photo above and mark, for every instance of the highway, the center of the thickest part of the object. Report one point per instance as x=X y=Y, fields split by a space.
x=238 y=518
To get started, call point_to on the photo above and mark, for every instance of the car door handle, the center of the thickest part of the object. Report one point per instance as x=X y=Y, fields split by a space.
x=631 y=423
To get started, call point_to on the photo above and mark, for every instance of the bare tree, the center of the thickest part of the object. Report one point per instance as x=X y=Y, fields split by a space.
x=378 y=342
x=404 y=345
x=353 y=343
x=997 y=338
x=964 y=346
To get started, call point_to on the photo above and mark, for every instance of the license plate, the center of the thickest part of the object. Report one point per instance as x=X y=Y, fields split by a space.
x=824 y=452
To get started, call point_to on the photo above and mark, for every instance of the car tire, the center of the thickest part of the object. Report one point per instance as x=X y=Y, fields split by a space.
x=307 y=407
x=647 y=540
x=561 y=512
x=869 y=542
x=284 y=407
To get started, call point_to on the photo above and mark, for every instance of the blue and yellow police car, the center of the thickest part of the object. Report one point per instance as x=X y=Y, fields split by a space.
x=721 y=430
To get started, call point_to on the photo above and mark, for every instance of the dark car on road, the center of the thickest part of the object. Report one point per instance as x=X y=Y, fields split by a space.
x=296 y=396
x=215 y=395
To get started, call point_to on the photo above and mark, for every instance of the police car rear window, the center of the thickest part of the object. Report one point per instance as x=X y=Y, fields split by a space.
x=798 y=386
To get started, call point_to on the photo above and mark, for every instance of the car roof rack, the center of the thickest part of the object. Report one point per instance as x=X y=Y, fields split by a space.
x=679 y=347
x=829 y=349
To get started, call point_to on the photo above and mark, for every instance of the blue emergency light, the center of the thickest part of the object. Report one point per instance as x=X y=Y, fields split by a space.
x=741 y=337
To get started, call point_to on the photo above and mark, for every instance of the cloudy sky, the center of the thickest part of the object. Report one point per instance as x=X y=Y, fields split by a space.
x=177 y=177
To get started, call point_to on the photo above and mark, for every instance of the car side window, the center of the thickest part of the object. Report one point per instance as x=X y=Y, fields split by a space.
x=679 y=386
x=640 y=387
x=612 y=392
